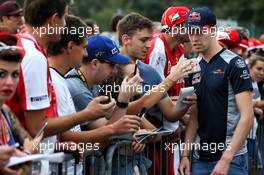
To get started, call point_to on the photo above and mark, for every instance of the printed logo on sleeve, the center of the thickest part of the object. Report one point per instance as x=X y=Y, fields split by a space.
x=245 y=75
x=38 y=99
x=240 y=63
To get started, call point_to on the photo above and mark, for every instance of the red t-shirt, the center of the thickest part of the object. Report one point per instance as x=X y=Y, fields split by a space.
x=162 y=59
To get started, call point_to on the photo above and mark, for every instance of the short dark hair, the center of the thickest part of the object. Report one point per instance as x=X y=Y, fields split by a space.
x=11 y=55
x=91 y=24
x=36 y=12
x=114 y=21
x=72 y=22
x=131 y=23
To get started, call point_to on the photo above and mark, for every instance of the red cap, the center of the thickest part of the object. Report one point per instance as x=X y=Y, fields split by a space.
x=261 y=38
x=10 y=7
x=230 y=38
x=173 y=16
x=253 y=43
x=243 y=44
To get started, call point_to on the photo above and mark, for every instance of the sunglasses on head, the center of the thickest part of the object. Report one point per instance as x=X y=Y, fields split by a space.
x=3 y=46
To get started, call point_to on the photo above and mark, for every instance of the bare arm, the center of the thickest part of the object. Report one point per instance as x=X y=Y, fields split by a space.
x=91 y=136
x=190 y=133
x=168 y=109
x=126 y=124
x=36 y=119
x=259 y=104
x=190 y=130
x=152 y=97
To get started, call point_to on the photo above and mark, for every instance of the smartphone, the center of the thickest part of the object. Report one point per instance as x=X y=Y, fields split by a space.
x=135 y=70
x=142 y=112
x=109 y=95
x=195 y=65
x=41 y=130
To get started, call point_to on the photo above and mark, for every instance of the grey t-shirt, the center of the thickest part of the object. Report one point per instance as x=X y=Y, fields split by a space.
x=81 y=95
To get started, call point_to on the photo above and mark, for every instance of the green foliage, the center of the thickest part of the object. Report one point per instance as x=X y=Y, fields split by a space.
x=244 y=11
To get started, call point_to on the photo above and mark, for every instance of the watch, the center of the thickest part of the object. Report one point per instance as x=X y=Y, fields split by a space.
x=121 y=104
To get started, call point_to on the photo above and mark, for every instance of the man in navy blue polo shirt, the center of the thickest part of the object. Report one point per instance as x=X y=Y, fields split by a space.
x=224 y=112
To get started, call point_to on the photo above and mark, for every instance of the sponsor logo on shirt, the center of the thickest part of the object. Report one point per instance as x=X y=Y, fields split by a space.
x=38 y=99
x=244 y=75
x=240 y=63
x=218 y=71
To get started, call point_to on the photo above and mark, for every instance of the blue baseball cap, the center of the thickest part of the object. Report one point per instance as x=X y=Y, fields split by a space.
x=200 y=17
x=102 y=48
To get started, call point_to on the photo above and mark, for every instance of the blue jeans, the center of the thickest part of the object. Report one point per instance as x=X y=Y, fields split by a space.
x=254 y=152
x=238 y=166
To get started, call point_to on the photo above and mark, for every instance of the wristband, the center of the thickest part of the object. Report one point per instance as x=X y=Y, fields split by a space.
x=171 y=80
x=121 y=104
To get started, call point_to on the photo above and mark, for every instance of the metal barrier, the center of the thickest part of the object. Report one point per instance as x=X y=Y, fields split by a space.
x=256 y=164
x=109 y=162
x=58 y=166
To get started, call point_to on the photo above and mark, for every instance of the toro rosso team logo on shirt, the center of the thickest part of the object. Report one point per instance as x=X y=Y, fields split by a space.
x=240 y=63
x=218 y=72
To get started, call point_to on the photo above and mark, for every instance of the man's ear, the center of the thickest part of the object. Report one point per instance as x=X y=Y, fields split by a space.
x=95 y=63
x=53 y=20
x=125 y=39
x=3 y=18
x=69 y=47
x=213 y=31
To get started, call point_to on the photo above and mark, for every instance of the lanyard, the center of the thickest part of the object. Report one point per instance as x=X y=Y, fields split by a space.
x=6 y=137
x=3 y=130
x=82 y=77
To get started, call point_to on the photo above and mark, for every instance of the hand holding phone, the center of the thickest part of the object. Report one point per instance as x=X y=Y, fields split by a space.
x=135 y=70
x=109 y=95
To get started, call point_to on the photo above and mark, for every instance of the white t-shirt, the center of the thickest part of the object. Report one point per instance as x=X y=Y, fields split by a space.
x=33 y=90
x=65 y=106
